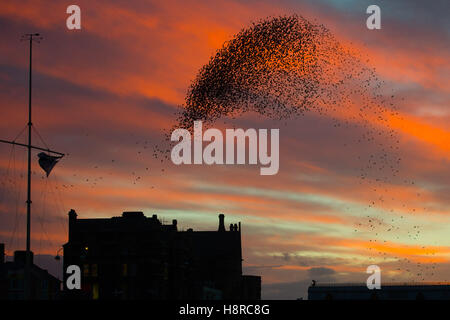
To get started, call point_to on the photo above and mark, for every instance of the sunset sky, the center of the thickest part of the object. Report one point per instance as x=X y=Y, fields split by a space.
x=104 y=95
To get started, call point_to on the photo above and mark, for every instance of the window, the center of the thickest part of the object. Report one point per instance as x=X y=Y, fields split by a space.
x=95 y=293
x=86 y=270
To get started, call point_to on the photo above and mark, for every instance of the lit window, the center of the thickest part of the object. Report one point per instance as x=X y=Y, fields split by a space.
x=95 y=291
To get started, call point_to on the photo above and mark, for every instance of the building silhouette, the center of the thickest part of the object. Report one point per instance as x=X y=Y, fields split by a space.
x=138 y=257
x=388 y=291
x=44 y=286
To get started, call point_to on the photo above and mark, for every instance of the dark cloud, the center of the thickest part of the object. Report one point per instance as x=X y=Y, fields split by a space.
x=321 y=272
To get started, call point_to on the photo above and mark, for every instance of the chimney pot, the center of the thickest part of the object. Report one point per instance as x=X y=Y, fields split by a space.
x=221 y=222
x=72 y=214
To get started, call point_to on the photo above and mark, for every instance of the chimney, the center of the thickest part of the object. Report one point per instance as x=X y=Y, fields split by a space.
x=221 y=222
x=20 y=257
x=72 y=221
x=72 y=215
x=2 y=253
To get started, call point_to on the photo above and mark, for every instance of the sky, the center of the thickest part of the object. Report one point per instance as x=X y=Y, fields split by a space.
x=104 y=95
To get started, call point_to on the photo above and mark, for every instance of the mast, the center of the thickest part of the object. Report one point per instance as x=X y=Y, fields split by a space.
x=30 y=124
x=28 y=283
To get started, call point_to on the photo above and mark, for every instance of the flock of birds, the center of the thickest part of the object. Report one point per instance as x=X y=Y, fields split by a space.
x=282 y=68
